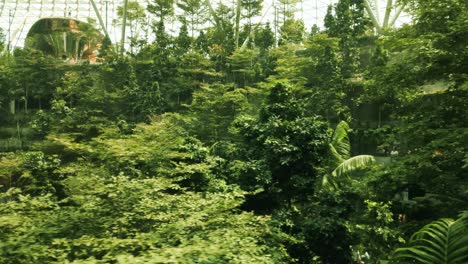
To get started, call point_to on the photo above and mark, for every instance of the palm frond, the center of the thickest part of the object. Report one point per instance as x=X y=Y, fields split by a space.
x=464 y=217
x=444 y=241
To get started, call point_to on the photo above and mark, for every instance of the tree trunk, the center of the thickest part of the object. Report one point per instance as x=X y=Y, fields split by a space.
x=12 y=107
x=238 y=13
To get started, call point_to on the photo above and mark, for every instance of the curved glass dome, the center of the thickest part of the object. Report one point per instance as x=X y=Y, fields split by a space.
x=18 y=16
x=68 y=39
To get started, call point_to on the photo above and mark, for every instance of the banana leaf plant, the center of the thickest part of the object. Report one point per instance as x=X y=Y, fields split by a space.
x=343 y=163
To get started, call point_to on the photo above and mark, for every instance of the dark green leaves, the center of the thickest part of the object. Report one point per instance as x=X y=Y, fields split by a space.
x=444 y=241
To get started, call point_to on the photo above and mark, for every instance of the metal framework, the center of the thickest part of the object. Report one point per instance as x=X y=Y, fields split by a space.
x=392 y=11
x=17 y=16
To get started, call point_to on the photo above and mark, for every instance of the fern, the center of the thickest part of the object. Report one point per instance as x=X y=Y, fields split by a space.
x=444 y=242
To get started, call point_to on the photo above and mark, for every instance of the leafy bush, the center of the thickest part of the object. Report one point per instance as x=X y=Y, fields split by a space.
x=123 y=220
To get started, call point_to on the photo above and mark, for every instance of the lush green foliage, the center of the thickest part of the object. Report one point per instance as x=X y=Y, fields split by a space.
x=241 y=142
x=442 y=241
x=122 y=220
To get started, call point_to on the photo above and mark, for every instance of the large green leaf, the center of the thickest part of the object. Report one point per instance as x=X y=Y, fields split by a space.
x=343 y=170
x=444 y=241
x=340 y=140
x=340 y=149
x=352 y=164
x=337 y=156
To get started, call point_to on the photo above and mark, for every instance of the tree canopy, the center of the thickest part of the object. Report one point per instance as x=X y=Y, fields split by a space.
x=238 y=140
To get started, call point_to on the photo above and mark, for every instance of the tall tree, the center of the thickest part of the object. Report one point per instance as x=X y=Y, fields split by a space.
x=2 y=40
x=251 y=9
x=194 y=13
x=183 y=41
x=244 y=67
x=285 y=148
x=323 y=72
x=265 y=38
x=237 y=23
x=246 y=9
x=202 y=43
x=221 y=36
x=440 y=28
x=135 y=19
x=348 y=22
x=287 y=9
x=161 y=8
x=292 y=31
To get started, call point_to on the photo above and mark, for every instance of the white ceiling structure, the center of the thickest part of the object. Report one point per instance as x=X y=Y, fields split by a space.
x=17 y=16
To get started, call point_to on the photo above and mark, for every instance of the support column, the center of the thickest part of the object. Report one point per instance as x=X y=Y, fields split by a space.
x=124 y=26
x=375 y=22
x=98 y=14
x=388 y=10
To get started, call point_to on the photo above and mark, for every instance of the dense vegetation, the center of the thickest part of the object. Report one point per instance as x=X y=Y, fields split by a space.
x=224 y=144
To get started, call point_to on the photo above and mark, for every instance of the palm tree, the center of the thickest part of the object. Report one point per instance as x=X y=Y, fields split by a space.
x=444 y=242
x=342 y=161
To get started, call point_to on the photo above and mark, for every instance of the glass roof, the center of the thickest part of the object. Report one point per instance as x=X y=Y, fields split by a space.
x=17 y=16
